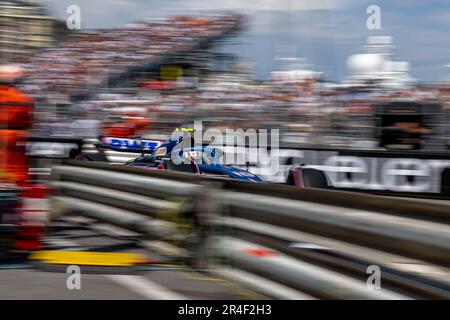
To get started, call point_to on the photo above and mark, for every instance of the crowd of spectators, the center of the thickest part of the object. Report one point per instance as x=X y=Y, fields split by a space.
x=305 y=110
x=87 y=59
x=308 y=112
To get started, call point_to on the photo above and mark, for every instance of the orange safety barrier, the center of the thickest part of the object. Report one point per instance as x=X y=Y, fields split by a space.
x=16 y=115
x=13 y=158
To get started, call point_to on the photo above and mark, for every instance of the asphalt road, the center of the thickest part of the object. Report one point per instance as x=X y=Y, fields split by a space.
x=21 y=279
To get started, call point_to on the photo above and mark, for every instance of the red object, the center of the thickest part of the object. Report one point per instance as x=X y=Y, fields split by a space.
x=13 y=160
x=16 y=108
x=260 y=252
x=28 y=245
x=139 y=123
x=120 y=130
x=159 y=85
x=16 y=113
x=34 y=211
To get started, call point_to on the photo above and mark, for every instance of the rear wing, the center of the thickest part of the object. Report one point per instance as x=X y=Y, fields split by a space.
x=136 y=145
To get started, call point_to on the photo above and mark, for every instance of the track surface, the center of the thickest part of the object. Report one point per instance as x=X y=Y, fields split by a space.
x=22 y=280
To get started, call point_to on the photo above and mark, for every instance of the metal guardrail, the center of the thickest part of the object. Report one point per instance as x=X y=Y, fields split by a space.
x=314 y=242
x=428 y=240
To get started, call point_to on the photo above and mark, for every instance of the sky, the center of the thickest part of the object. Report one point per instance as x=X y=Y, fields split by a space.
x=325 y=32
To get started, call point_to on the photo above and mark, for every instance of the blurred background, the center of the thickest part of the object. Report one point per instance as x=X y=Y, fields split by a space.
x=300 y=67
x=359 y=91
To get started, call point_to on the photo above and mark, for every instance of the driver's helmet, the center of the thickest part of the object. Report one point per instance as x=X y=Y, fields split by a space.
x=178 y=135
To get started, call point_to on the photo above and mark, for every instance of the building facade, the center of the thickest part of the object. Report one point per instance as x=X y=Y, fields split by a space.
x=24 y=28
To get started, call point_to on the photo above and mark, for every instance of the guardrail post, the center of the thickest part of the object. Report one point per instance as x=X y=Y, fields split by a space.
x=205 y=210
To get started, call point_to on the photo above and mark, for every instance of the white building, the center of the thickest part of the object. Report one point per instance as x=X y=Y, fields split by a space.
x=375 y=67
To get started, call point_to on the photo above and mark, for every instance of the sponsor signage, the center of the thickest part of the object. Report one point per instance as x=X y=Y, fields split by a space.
x=364 y=170
x=131 y=144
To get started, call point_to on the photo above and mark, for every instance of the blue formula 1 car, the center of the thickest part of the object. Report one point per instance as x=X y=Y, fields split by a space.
x=171 y=155
x=174 y=155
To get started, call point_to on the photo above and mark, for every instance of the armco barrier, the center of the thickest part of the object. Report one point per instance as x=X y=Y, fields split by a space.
x=316 y=242
x=301 y=275
x=429 y=241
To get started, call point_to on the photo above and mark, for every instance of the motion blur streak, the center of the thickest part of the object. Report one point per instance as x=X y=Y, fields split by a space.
x=224 y=154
